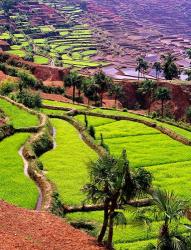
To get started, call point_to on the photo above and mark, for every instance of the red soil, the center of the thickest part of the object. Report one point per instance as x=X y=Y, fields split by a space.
x=33 y=230
x=54 y=97
x=2 y=76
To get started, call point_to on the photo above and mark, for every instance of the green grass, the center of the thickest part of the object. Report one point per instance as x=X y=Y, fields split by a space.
x=52 y=112
x=177 y=130
x=132 y=236
x=41 y=60
x=18 y=117
x=16 y=52
x=66 y=164
x=5 y=36
x=63 y=104
x=16 y=188
x=147 y=147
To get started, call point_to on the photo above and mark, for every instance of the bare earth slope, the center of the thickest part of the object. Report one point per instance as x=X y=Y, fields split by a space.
x=32 y=230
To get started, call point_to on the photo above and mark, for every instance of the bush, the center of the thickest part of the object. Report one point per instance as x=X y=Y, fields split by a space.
x=28 y=99
x=91 y=131
x=6 y=87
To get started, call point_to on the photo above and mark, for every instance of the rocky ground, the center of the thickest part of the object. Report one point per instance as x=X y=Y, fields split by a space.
x=32 y=230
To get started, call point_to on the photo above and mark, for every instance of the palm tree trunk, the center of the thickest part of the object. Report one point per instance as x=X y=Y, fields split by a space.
x=110 y=233
x=149 y=110
x=115 y=101
x=79 y=93
x=101 y=99
x=105 y=223
x=74 y=91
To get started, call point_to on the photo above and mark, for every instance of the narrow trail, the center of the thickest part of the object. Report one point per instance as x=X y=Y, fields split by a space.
x=26 y=165
x=54 y=137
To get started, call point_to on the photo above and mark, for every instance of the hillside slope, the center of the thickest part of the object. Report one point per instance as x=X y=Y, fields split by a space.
x=32 y=230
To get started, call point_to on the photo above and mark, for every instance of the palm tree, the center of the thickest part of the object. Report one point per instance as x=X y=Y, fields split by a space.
x=72 y=80
x=171 y=208
x=169 y=67
x=79 y=85
x=103 y=82
x=162 y=94
x=148 y=88
x=113 y=184
x=91 y=91
x=158 y=68
x=142 y=66
x=116 y=90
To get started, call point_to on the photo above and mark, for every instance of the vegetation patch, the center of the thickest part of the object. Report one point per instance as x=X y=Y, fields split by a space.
x=66 y=164
x=17 y=116
x=16 y=188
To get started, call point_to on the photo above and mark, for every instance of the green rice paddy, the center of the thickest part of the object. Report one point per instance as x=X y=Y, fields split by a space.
x=66 y=164
x=18 y=117
x=16 y=188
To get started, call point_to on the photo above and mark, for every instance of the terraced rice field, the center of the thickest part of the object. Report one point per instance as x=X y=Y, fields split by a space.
x=69 y=42
x=168 y=160
x=66 y=164
x=18 y=117
x=146 y=147
x=176 y=129
x=16 y=188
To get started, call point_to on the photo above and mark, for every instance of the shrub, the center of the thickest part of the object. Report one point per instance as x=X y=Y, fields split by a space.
x=86 y=121
x=91 y=131
x=28 y=99
x=7 y=87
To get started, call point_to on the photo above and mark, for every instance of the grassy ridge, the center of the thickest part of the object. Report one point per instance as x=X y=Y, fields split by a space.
x=63 y=104
x=18 y=117
x=16 y=188
x=66 y=164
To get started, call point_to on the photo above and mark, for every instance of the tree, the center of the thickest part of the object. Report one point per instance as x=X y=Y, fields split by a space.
x=116 y=90
x=171 y=208
x=101 y=80
x=113 y=184
x=91 y=91
x=79 y=85
x=169 y=67
x=142 y=66
x=158 y=68
x=162 y=94
x=72 y=80
x=148 y=88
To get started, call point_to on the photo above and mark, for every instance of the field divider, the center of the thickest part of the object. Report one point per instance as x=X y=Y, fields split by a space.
x=91 y=208
x=5 y=131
